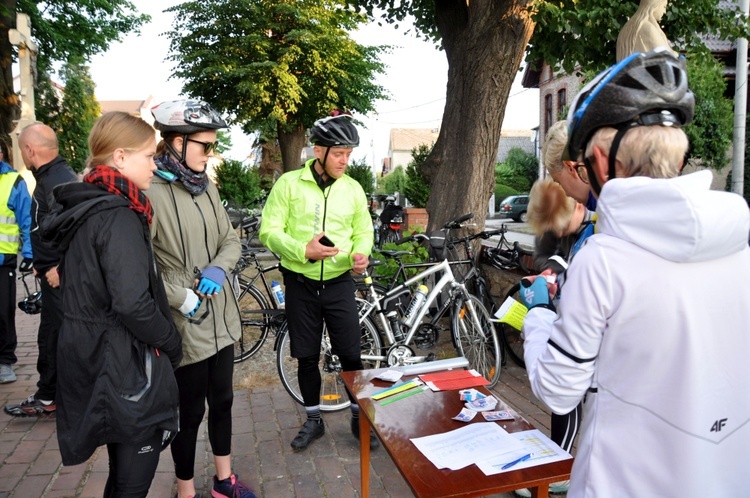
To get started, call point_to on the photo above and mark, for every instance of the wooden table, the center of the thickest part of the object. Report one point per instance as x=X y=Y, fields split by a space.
x=430 y=413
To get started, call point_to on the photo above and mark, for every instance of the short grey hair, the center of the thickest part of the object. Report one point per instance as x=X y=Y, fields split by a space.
x=652 y=151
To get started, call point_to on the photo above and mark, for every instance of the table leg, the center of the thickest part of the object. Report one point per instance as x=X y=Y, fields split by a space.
x=364 y=454
x=540 y=491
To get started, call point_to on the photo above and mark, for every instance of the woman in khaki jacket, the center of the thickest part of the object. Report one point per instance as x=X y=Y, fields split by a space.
x=195 y=248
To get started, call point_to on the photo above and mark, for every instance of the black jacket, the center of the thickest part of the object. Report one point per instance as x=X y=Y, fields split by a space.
x=52 y=174
x=118 y=344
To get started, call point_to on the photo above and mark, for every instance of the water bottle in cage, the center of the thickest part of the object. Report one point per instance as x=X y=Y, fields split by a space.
x=278 y=293
x=398 y=333
x=415 y=305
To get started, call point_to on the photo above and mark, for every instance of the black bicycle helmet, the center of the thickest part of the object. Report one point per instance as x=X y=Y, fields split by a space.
x=644 y=89
x=335 y=131
x=186 y=117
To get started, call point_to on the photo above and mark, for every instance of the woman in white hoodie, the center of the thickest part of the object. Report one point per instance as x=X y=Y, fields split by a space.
x=653 y=332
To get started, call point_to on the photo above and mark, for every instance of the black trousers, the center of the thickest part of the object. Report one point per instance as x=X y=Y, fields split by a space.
x=49 y=331
x=308 y=305
x=208 y=380
x=132 y=467
x=8 y=339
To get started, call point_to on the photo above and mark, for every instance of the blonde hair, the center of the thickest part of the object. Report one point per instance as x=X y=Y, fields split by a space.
x=550 y=209
x=652 y=151
x=116 y=130
x=554 y=145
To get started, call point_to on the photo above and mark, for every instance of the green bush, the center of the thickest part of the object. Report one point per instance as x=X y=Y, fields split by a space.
x=386 y=271
x=503 y=191
x=241 y=185
x=362 y=172
x=395 y=181
x=417 y=190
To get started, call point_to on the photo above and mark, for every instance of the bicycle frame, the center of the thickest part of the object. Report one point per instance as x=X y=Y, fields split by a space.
x=374 y=300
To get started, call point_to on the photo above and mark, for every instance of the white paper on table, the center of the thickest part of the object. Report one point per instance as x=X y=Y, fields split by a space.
x=544 y=450
x=462 y=447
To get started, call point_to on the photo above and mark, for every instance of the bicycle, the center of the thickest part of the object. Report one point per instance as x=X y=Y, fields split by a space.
x=333 y=396
x=391 y=222
x=472 y=331
x=510 y=258
x=258 y=317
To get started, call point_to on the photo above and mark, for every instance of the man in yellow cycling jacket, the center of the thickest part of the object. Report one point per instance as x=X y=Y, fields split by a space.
x=317 y=219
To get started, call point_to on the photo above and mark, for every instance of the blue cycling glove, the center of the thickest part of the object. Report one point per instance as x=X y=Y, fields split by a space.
x=212 y=278
x=535 y=294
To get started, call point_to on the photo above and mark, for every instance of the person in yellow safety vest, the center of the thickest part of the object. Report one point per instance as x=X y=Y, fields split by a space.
x=15 y=227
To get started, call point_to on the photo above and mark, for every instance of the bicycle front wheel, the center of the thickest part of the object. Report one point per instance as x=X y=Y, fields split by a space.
x=333 y=395
x=475 y=337
x=513 y=338
x=255 y=323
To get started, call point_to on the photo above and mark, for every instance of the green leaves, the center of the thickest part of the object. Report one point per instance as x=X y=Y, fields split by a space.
x=269 y=62
x=417 y=189
x=79 y=112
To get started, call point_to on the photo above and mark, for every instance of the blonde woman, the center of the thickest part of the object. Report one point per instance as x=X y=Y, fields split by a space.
x=118 y=345
x=552 y=213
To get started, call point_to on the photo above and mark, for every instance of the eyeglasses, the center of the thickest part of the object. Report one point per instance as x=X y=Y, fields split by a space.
x=582 y=172
x=208 y=147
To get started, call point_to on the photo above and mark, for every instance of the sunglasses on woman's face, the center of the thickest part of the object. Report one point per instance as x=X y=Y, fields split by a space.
x=208 y=147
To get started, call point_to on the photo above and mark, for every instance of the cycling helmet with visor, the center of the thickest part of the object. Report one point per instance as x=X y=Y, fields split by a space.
x=186 y=117
x=644 y=89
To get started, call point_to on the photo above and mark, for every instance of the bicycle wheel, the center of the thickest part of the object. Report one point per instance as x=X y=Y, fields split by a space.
x=513 y=338
x=478 y=344
x=333 y=395
x=255 y=324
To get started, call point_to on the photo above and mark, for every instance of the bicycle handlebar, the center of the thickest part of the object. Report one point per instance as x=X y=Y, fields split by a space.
x=457 y=222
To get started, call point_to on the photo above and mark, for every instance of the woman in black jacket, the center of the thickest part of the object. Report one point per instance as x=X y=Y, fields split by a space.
x=118 y=345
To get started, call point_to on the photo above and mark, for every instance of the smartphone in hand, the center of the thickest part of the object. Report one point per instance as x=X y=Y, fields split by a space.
x=326 y=241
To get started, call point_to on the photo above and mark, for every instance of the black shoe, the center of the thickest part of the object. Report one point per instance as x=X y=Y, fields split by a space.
x=309 y=432
x=32 y=407
x=374 y=443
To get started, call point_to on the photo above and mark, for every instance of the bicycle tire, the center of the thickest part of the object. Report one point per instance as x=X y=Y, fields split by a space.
x=513 y=338
x=480 y=346
x=255 y=326
x=333 y=396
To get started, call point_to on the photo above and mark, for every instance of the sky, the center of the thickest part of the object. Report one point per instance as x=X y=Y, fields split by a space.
x=416 y=79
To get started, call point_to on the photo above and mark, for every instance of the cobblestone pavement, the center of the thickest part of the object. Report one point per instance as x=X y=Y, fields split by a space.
x=265 y=419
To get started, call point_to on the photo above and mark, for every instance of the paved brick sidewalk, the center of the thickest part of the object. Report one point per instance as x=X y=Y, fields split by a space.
x=264 y=421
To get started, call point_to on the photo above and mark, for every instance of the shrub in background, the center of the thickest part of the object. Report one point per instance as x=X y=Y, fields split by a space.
x=241 y=185
x=416 y=189
x=361 y=171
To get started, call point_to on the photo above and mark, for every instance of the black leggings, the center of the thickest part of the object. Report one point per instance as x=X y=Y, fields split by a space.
x=564 y=428
x=132 y=467
x=210 y=379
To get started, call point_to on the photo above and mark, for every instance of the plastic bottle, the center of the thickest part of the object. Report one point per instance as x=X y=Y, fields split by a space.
x=278 y=293
x=416 y=302
x=398 y=334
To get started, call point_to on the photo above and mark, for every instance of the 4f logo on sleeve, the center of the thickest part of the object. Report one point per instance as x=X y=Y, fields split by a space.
x=718 y=425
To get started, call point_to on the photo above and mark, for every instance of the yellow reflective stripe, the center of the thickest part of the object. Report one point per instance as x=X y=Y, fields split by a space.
x=10 y=237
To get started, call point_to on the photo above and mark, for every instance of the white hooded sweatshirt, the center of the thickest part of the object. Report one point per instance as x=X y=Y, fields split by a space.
x=653 y=333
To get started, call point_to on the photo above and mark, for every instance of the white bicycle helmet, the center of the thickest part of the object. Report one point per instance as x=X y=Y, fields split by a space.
x=186 y=117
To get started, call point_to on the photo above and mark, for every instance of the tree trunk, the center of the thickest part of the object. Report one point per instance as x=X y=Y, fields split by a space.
x=484 y=41
x=270 y=160
x=10 y=109
x=291 y=144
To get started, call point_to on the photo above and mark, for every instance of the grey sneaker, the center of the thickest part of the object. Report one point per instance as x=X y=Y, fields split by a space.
x=7 y=375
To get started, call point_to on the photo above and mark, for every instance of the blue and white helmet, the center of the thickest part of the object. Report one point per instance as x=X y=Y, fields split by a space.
x=644 y=89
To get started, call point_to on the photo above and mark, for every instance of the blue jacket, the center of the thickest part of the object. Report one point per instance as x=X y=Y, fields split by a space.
x=19 y=202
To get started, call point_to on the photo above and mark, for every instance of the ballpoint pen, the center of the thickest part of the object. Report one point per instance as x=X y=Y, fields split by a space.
x=515 y=462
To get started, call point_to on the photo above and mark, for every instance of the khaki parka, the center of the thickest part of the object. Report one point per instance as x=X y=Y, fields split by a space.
x=192 y=232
